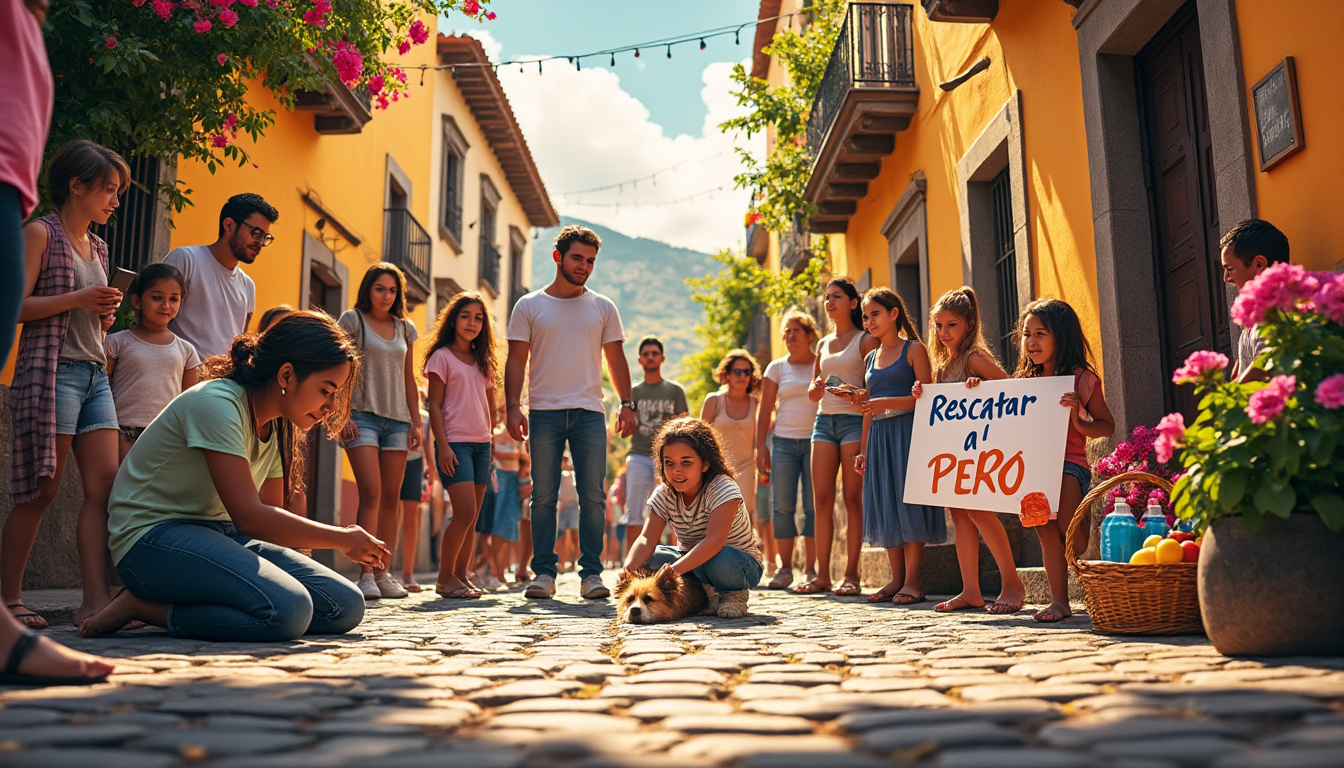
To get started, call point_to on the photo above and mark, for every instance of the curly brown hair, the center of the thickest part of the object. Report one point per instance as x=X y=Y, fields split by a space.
x=699 y=437
x=721 y=372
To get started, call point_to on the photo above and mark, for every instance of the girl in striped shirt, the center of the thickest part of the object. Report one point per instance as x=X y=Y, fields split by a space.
x=698 y=496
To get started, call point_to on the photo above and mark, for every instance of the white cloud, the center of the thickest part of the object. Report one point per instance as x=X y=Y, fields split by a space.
x=492 y=46
x=585 y=131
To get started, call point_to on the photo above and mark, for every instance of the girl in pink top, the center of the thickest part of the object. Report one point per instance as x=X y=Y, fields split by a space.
x=461 y=367
x=1052 y=344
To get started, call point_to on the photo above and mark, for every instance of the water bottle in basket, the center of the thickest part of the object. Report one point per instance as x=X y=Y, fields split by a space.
x=1120 y=534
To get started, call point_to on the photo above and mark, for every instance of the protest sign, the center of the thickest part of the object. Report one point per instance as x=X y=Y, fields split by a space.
x=988 y=447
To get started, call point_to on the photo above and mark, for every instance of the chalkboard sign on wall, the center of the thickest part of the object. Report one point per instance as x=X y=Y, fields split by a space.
x=1278 y=116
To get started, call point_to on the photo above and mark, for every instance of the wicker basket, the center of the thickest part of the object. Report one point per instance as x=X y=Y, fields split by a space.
x=1134 y=599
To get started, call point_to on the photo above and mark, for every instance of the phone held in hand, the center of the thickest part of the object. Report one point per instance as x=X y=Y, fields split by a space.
x=122 y=280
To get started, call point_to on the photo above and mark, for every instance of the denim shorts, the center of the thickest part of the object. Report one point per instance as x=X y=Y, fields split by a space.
x=837 y=428
x=473 y=464
x=413 y=482
x=567 y=518
x=83 y=398
x=1081 y=472
x=387 y=434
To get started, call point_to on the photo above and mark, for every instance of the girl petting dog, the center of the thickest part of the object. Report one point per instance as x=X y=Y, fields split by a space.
x=699 y=497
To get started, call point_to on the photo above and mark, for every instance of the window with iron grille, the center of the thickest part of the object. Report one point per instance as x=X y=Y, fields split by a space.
x=131 y=230
x=450 y=201
x=1005 y=267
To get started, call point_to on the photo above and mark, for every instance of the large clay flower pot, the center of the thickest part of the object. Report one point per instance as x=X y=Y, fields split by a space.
x=1276 y=592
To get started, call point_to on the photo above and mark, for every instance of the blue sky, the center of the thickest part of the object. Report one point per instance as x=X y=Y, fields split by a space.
x=604 y=124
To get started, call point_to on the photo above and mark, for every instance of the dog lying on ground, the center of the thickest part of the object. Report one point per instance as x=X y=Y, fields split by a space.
x=643 y=598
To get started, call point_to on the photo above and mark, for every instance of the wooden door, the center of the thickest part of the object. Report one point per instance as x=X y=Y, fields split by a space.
x=1179 y=174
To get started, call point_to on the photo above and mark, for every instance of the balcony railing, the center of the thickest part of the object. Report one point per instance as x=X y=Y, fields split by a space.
x=489 y=274
x=406 y=244
x=875 y=50
x=866 y=96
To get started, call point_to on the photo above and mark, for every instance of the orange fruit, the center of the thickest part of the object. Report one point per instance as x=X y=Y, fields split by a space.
x=1169 y=551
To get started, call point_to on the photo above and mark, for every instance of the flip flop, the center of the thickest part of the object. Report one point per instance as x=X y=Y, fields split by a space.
x=411 y=586
x=461 y=593
x=810 y=588
x=24 y=645
x=883 y=595
x=955 y=604
x=848 y=588
x=1002 y=608
x=26 y=618
x=901 y=598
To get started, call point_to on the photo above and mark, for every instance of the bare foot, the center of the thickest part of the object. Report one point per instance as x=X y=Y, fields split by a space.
x=51 y=659
x=122 y=610
x=1052 y=613
x=812 y=587
x=960 y=602
x=1009 y=599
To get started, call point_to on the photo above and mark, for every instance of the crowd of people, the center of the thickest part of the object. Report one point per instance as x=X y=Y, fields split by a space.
x=189 y=431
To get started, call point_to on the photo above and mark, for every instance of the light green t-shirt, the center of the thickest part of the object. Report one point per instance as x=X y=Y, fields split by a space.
x=164 y=477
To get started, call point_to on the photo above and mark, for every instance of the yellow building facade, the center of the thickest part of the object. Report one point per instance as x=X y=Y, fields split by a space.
x=1088 y=150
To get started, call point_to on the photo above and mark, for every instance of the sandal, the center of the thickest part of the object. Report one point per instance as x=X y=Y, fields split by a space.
x=27 y=618
x=412 y=586
x=461 y=593
x=782 y=580
x=23 y=645
x=1000 y=608
x=848 y=588
x=901 y=598
x=883 y=595
x=811 y=588
x=955 y=604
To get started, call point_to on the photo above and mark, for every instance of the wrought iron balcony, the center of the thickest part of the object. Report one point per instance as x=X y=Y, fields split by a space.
x=407 y=244
x=867 y=95
x=489 y=267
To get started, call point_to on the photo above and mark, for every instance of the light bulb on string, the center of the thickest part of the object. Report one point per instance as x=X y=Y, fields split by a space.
x=636 y=53
x=702 y=44
x=669 y=51
x=613 y=59
x=737 y=37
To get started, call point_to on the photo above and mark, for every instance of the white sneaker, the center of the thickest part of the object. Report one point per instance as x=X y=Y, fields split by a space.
x=541 y=588
x=594 y=589
x=369 y=587
x=389 y=586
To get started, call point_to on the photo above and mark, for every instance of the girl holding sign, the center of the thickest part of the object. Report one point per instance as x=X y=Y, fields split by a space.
x=887 y=404
x=959 y=353
x=1053 y=345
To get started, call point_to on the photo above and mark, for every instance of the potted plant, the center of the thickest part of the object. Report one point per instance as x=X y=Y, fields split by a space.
x=1264 y=463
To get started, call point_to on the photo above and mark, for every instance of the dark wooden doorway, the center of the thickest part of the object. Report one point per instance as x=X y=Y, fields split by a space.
x=1179 y=175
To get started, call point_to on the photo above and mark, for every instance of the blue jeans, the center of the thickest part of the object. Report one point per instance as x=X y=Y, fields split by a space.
x=586 y=433
x=222 y=585
x=791 y=461
x=730 y=570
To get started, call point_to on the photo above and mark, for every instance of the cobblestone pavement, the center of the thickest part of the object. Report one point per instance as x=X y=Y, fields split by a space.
x=811 y=681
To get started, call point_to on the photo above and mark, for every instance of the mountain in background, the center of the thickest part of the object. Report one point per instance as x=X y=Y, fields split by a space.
x=647 y=280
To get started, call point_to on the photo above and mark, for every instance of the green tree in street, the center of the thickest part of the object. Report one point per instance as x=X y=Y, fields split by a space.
x=170 y=78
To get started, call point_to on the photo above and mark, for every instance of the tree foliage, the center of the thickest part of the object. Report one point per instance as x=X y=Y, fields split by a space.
x=170 y=78
x=778 y=179
x=731 y=298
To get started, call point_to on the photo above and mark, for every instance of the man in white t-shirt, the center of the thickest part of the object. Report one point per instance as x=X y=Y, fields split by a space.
x=1249 y=248
x=557 y=339
x=219 y=298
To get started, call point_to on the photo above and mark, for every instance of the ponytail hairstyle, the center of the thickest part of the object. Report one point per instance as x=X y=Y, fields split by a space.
x=893 y=302
x=963 y=303
x=1072 y=352
x=308 y=341
x=699 y=437
x=852 y=291
x=482 y=347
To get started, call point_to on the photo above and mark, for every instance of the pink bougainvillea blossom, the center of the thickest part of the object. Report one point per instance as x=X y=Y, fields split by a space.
x=471 y=7
x=231 y=123
x=1170 y=434
x=1330 y=392
x=318 y=15
x=404 y=47
x=1329 y=299
x=202 y=26
x=272 y=4
x=110 y=43
x=1198 y=364
x=222 y=58
x=1269 y=402
x=419 y=32
x=164 y=8
x=398 y=73
x=348 y=61
x=219 y=140
x=221 y=3
x=490 y=16
x=376 y=84
x=228 y=18
x=249 y=3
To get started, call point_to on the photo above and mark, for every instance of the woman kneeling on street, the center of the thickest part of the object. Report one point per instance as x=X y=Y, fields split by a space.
x=198 y=530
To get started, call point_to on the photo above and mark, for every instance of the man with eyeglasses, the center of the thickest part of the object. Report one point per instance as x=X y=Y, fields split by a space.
x=656 y=400
x=219 y=298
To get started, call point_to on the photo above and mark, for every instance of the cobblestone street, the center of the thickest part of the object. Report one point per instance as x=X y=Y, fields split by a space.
x=819 y=682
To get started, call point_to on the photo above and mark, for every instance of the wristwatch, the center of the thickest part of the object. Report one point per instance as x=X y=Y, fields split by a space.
x=628 y=404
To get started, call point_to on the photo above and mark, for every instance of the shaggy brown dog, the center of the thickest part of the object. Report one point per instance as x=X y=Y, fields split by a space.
x=642 y=598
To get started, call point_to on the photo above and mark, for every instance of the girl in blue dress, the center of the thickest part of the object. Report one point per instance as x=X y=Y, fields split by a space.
x=888 y=420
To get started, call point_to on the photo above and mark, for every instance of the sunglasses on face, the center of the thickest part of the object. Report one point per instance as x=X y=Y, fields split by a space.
x=740 y=372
